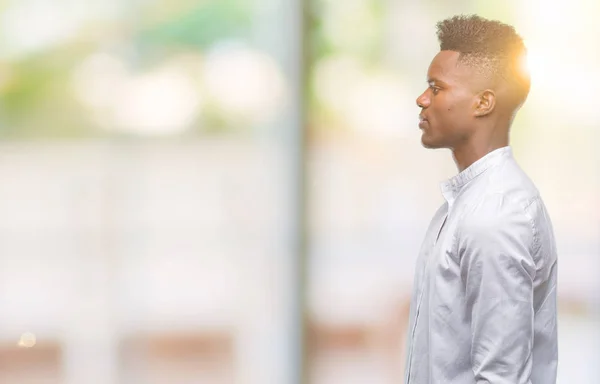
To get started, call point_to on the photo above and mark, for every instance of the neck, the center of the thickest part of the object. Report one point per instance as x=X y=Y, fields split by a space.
x=467 y=155
x=486 y=140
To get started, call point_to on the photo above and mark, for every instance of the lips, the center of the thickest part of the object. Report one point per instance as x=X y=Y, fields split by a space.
x=422 y=121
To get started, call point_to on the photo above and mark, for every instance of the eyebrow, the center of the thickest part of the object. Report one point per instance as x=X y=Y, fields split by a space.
x=434 y=80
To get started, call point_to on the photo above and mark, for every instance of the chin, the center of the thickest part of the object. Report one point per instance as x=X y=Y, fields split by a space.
x=429 y=144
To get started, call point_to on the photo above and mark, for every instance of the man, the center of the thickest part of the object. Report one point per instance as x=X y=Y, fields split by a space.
x=483 y=309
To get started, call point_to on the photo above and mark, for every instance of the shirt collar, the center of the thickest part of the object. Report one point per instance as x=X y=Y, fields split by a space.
x=452 y=187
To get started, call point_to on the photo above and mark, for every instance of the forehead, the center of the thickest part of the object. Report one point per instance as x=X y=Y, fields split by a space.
x=446 y=67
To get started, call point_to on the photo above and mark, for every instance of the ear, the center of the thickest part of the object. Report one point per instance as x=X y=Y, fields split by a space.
x=485 y=103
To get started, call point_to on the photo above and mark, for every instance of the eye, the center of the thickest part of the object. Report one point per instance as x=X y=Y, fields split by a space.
x=434 y=89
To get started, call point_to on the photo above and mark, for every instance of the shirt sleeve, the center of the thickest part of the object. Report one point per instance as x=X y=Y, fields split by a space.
x=498 y=272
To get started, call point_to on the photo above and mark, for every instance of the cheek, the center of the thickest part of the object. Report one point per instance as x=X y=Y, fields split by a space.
x=450 y=109
x=458 y=109
x=464 y=104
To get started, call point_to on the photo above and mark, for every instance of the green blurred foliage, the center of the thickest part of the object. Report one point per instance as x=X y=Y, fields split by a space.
x=200 y=26
x=36 y=100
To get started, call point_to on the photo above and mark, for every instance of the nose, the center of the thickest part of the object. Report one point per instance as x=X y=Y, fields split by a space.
x=423 y=100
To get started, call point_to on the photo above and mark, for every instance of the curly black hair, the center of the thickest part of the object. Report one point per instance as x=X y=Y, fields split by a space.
x=490 y=46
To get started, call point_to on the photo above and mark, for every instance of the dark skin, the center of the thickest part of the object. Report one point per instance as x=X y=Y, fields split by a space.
x=464 y=110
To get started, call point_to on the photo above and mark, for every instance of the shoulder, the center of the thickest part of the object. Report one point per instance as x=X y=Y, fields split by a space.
x=497 y=217
x=506 y=199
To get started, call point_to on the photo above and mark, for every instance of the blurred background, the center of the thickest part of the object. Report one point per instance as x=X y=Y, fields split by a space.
x=234 y=191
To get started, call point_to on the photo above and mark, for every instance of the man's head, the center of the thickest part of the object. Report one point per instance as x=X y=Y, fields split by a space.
x=476 y=83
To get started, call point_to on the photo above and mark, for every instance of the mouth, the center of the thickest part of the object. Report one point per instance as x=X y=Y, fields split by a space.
x=423 y=122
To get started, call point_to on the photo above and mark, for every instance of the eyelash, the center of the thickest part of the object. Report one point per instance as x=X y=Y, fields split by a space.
x=434 y=89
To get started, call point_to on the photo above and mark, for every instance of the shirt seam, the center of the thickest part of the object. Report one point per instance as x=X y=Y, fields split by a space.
x=536 y=241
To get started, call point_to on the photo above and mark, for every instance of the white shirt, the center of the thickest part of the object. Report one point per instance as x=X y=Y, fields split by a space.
x=483 y=308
